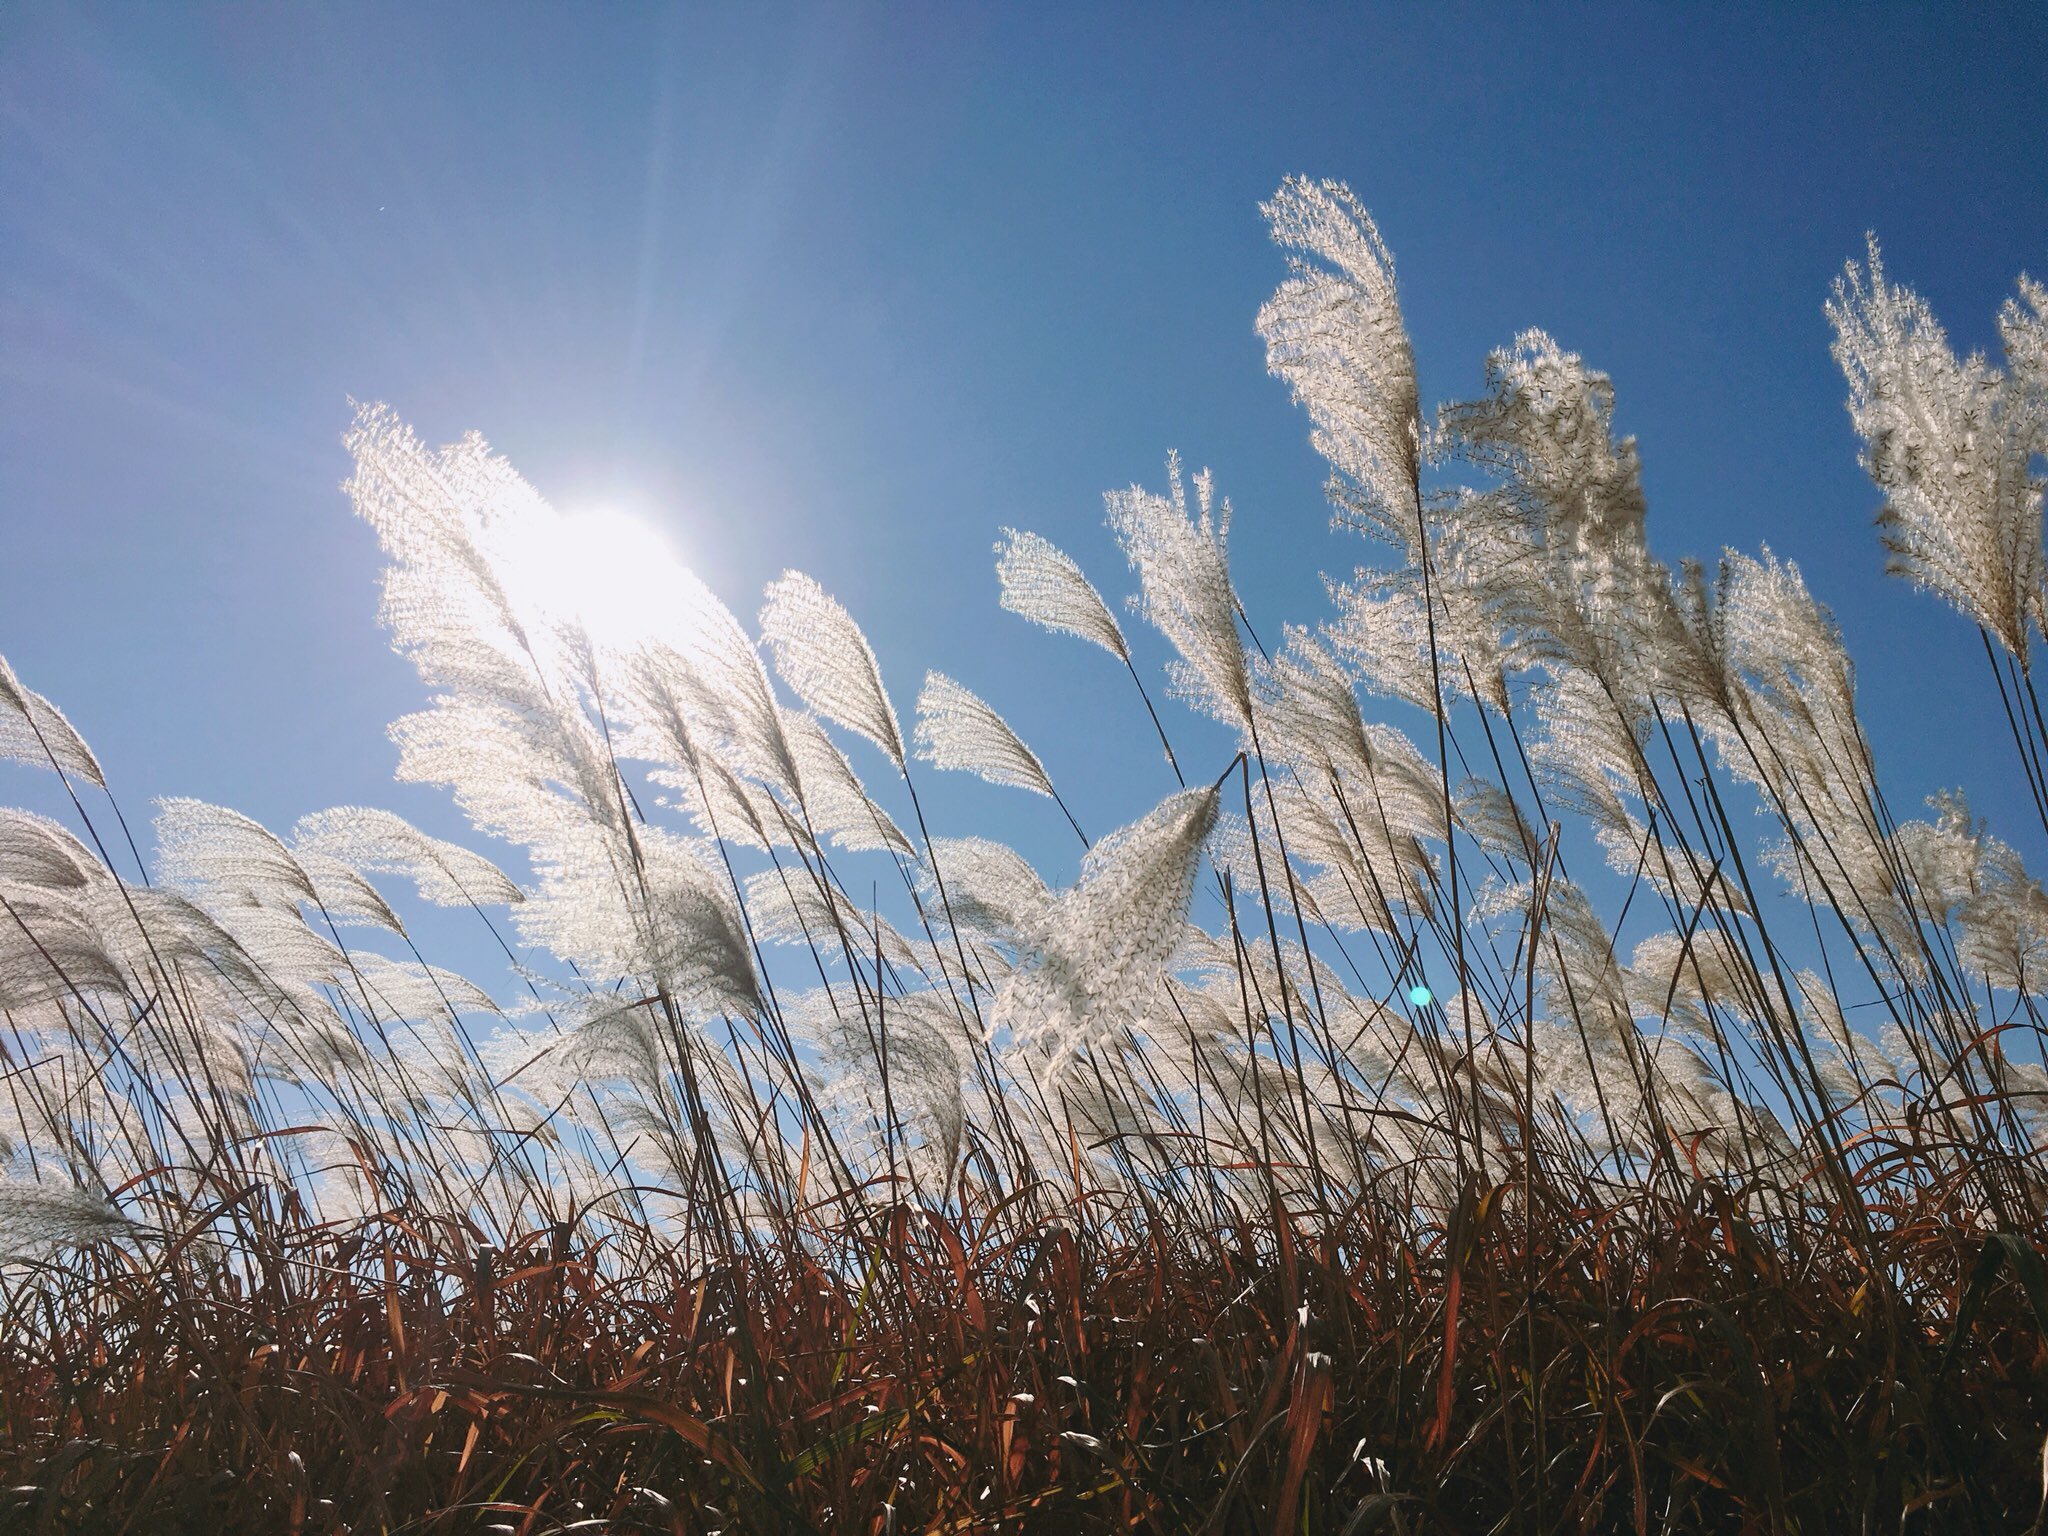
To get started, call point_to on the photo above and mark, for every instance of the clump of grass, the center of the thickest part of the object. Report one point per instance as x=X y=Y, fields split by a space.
x=1424 y=1117
x=1645 y=1363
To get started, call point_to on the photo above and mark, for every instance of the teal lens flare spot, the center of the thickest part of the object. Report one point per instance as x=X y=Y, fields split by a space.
x=1420 y=995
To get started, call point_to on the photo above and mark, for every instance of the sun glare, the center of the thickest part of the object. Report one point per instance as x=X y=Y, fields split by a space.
x=611 y=572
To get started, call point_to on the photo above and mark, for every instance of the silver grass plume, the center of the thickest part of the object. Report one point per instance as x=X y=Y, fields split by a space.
x=827 y=662
x=1951 y=443
x=407 y=989
x=1043 y=584
x=1184 y=589
x=441 y=517
x=1334 y=332
x=509 y=733
x=1554 y=555
x=688 y=934
x=1490 y=816
x=1382 y=632
x=789 y=908
x=1311 y=720
x=704 y=679
x=34 y=731
x=36 y=851
x=721 y=804
x=993 y=888
x=225 y=858
x=918 y=1039
x=830 y=793
x=1830 y=1024
x=1960 y=874
x=1579 y=977
x=1790 y=675
x=39 y=1217
x=374 y=842
x=52 y=950
x=226 y=861
x=1106 y=941
x=956 y=729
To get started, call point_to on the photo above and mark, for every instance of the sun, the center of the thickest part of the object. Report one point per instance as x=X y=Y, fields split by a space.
x=613 y=574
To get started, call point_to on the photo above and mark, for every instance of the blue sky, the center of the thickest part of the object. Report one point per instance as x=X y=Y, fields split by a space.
x=850 y=289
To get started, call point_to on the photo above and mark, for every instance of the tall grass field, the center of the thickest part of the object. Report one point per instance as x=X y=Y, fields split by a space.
x=1530 y=1078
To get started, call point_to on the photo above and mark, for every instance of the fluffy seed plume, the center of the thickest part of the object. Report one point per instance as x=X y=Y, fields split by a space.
x=374 y=842
x=222 y=856
x=1951 y=443
x=956 y=728
x=39 y=1217
x=1042 y=583
x=822 y=655
x=33 y=730
x=1108 y=939
x=1185 y=591
x=1334 y=332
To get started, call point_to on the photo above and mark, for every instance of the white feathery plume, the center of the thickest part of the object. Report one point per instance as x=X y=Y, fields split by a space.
x=1943 y=858
x=1042 y=583
x=223 y=858
x=36 y=851
x=1492 y=819
x=374 y=842
x=2023 y=327
x=787 y=907
x=226 y=860
x=1354 y=783
x=1185 y=590
x=823 y=656
x=1382 y=631
x=344 y=895
x=918 y=1039
x=956 y=729
x=448 y=521
x=833 y=800
x=51 y=950
x=1951 y=443
x=1108 y=939
x=1961 y=874
x=608 y=1043
x=287 y=957
x=1553 y=560
x=1789 y=675
x=39 y=1217
x=690 y=936
x=1579 y=977
x=704 y=683
x=1236 y=848
x=1352 y=889
x=992 y=888
x=1307 y=709
x=542 y=778
x=722 y=805
x=1402 y=786
x=406 y=989
x=2002 y=931
x=517 y=733
x=1830 y=1025
x=1691 y=982
x=1588 y=750
x=34 y=731
x=1334 y=332
x=1310 y=712
x=706 y=744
